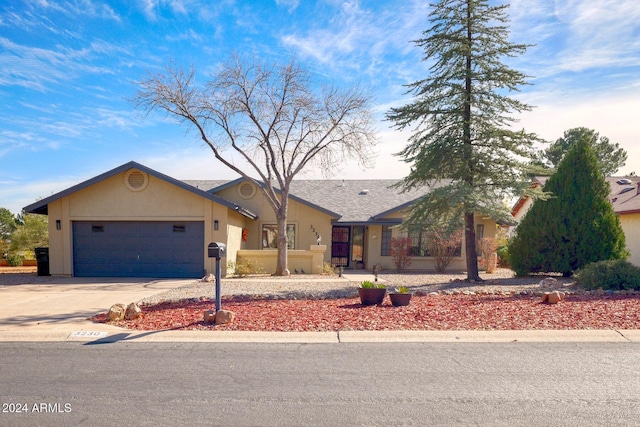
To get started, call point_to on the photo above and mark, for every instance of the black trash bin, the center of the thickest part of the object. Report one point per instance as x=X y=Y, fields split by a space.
x=42 y=260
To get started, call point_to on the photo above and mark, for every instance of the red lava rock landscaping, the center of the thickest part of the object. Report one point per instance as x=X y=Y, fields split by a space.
x=431 y=312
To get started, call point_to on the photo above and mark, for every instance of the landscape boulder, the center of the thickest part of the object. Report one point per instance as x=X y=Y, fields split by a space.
x=208 y=278
x=553 y=297
x=116 y=312
x=132 y=312
x=224 y=316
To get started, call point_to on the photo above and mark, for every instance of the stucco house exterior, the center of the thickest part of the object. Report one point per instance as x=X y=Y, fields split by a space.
x=135 y=221
x=625 y=199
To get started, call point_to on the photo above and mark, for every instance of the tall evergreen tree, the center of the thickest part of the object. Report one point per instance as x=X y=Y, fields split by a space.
x=462 y=117
x=576 y=226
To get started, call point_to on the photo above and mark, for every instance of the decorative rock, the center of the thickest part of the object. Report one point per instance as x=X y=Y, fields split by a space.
x=116 y=312
x=549 y=282
x=224 y=316
x=209 y=278
x=555 y=297
x=209 y=317
x=132 y=312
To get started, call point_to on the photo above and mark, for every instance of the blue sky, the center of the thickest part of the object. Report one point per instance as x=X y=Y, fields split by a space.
x=68 y=68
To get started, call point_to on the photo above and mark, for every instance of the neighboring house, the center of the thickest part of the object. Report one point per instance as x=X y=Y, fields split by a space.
x=625 y=199
x=134 y=221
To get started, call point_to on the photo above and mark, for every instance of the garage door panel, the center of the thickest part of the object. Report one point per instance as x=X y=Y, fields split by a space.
x=138 y=249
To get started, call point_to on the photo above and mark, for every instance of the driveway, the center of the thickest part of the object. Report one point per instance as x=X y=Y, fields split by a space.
x=61 y=304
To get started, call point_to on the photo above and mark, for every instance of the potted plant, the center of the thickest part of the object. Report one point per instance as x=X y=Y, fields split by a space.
x=371 y=293
x=400 y=297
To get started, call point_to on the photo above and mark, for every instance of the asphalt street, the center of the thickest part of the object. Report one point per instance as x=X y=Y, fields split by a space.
x=105 y=383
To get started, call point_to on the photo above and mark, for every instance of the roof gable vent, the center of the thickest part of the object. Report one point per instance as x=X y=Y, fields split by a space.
x=246 y=190
x=136 y=180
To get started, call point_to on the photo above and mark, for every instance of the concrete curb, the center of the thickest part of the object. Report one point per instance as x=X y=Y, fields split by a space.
x=105 y=337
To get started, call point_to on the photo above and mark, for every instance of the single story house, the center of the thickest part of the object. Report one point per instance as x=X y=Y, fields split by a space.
x=625 y=199
x=135 y=221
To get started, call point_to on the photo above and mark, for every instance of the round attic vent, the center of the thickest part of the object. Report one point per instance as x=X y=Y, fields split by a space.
x=246 y=190
x=136 y=180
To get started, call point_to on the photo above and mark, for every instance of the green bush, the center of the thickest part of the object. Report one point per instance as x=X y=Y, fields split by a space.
x=14 y=260
x=609 y=275
x=503 y=257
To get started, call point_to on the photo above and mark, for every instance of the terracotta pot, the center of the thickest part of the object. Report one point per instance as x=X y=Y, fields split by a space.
x=371 y=296
x=400 y=299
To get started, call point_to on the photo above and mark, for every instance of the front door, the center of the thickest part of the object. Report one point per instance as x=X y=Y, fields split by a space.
x=340 y=246
x=347 y=246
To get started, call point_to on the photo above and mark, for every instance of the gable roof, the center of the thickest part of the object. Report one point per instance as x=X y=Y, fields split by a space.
x=41 y=206
x=347 y=201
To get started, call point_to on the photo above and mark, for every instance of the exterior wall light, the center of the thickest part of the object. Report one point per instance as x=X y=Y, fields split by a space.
x=216 y=225
x=58 y=225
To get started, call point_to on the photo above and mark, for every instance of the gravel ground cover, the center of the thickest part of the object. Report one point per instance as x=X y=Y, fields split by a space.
x=321 y=303
x=440 y=302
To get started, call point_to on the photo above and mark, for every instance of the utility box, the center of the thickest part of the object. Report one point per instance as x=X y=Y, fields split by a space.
x=217 y=250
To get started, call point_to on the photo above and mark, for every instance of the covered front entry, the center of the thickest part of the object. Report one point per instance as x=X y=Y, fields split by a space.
x=347 y=246
x=138 y=249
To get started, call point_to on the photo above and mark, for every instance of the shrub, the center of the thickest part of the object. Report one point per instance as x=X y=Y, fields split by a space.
x=244 y=268
x=610 y=275
x=503 y=257
x=444 y=244
x=328 y=269
x=14 y=260
x=400 y=251
x=488 y=247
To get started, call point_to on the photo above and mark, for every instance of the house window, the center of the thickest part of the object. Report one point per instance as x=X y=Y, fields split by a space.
x=420 y=244
x=97 y=228
x=385 y=240
x=270 y=236
x=479 y=231
x=179 y=228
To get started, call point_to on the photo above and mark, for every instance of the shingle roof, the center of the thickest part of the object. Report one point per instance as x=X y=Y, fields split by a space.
x=350 y=201
x=624 y=194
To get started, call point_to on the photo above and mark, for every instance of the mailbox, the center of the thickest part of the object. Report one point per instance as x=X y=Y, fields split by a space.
x=217 y=250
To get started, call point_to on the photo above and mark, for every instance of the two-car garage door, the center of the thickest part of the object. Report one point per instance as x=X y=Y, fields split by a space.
x=138 y=249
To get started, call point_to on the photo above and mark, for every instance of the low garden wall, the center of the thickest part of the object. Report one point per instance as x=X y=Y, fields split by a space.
x=311 y=261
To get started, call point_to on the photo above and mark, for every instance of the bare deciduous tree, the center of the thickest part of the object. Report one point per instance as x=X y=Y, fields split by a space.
x=273 y=117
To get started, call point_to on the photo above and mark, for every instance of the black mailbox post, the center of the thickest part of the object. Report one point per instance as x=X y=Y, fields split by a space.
x=217 y=250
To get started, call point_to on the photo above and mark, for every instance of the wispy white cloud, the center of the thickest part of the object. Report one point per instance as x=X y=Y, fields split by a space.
x=291 y=5
x=39 y=68
x=357 y=38
x=153 y=8
x=190 y=34
x=77 y=8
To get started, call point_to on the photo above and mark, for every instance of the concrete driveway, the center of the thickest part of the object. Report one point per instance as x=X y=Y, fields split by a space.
x=57 y=304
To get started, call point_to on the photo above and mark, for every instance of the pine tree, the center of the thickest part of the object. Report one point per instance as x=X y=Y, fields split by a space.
x=461 y=116
x=576 y=226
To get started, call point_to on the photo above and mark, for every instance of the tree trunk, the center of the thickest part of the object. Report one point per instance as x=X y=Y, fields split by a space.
x=470 y=246
x=282 y=268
